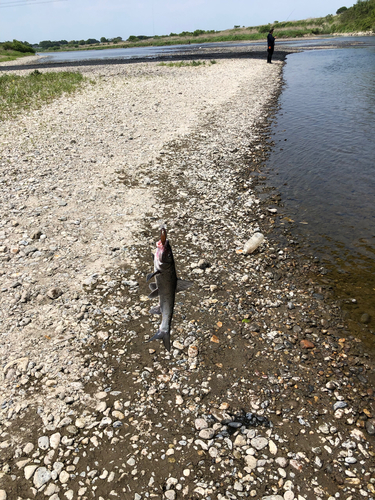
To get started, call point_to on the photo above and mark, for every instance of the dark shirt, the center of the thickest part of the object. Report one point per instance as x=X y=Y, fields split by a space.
x=270 y=40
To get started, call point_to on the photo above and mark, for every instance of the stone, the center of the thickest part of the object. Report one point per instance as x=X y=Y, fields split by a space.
x=207 y=433
x=200 y=423
x=272 y=447
x=193 y=351
x=43 y=442
x=339 y=405
x=63 y=477
x=250 y=461
x=259 y=443
x=365 y=318
x=51 y=489
x=306 y=344
x=41 y=477
x=240 y=440
x=170 y=495
x=28 y=448
x=54 y=440
x=29 y=471
x=370 y=427
x=289 y=495
x=281 y=461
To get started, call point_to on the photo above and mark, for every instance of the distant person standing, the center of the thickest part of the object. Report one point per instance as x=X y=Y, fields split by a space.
x=270 y=45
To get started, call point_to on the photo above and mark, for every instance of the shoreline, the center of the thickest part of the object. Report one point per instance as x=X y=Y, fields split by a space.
x=255 y=333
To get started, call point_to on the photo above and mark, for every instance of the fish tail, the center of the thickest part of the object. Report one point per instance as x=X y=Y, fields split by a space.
x=165 y=335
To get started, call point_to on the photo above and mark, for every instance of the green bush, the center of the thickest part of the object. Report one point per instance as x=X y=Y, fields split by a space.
x=264 y=29
x=18 y=46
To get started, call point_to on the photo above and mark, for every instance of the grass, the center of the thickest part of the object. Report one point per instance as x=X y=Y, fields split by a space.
x=359 y=17
x=186 y=63
x=12 y=55
x=20 y=93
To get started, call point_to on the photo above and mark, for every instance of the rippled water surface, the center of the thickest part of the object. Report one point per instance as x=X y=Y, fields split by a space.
x=323 y=164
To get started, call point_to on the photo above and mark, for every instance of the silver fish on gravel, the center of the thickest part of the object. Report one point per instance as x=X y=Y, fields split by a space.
x=165 y=286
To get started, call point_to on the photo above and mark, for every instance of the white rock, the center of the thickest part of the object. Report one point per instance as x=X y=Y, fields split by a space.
x=240 y=440
x=3 y=495
x=43 y=442
x=207 y=433
x=64 y=477
x=200 y=423
x=283 y=462
x=272 y=447
x=259 y=443
x=170 y=495
x=289 y=495
x=54 y=440
x=41 y=477
x=28 y=448
x=251 y=461
x=238 y=486
x=51 y=490
x=80 y=423
x=179 y=400
x=94 y=441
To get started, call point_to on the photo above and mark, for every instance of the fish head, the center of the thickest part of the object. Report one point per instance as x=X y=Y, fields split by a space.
x=163 y=249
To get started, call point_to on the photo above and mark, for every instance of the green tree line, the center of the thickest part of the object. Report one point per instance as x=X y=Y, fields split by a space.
x=359 y=17
x=24 y=47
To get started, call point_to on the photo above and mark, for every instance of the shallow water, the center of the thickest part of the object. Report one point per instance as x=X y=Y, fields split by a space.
x=323 y=165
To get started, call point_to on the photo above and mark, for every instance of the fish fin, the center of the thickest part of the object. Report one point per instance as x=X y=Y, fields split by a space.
x=183 y=285
x=151 y=275
x=155 y=310
x=154 y=294
x=165 y=335
x=153 y=286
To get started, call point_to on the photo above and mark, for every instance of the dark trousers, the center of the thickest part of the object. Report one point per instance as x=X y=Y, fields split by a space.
x=269 y=54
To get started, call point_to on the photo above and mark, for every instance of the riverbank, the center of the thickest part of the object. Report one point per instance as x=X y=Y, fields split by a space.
x=91 y=410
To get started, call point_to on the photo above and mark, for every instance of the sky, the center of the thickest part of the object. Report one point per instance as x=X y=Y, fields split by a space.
x=37 y=20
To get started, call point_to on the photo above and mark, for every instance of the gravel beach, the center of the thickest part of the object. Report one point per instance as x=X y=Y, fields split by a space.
x=265 y=394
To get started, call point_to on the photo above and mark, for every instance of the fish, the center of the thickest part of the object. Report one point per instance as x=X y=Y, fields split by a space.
x=165 y=286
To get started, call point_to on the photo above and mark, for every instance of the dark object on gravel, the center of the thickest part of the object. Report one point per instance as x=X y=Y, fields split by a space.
x=249 y=420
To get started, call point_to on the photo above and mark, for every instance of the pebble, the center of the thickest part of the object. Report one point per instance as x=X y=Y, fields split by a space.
x=29 y=471
x=207 y=433
x=170 y=495
x=250 y=334
x=259 y=443
x=41 y=477
x=43 y=442
x=200 y=423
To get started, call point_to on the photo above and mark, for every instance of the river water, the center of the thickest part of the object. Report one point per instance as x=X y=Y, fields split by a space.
x=323 y=165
